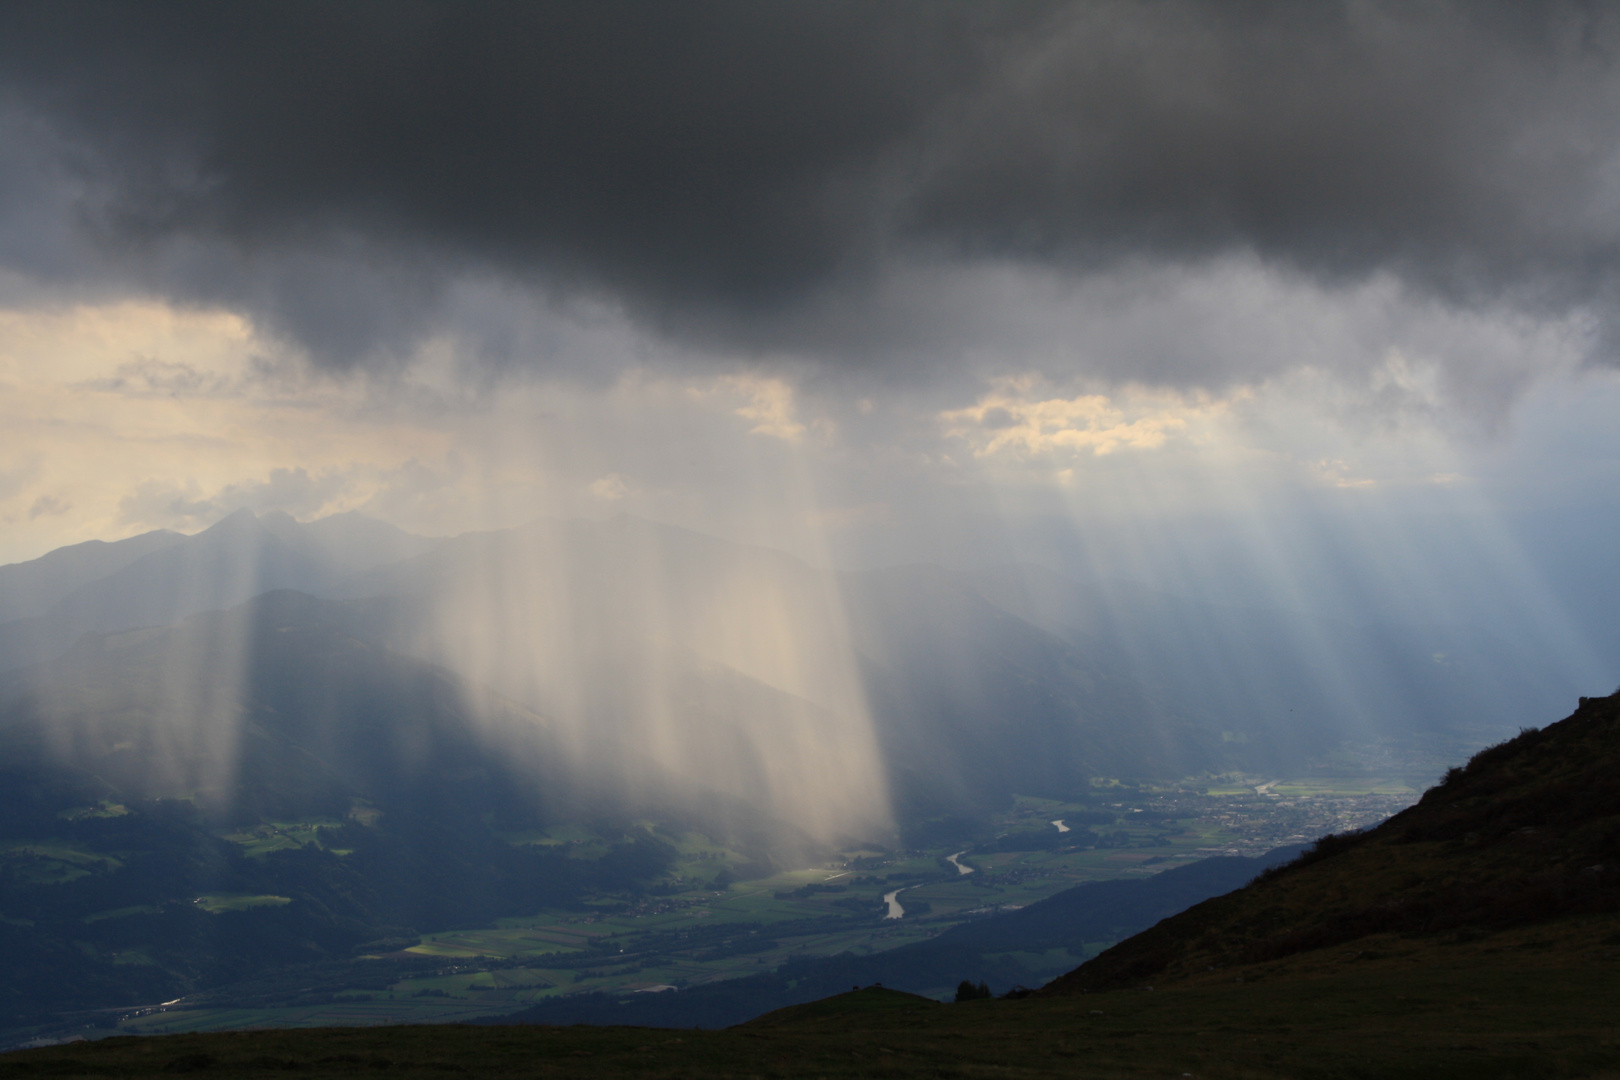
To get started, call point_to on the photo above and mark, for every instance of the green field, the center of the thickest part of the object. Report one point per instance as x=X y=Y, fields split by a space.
x=123 y=912
x=216 y=903
x=50 y=863
x=102 y=809
x=261 y=840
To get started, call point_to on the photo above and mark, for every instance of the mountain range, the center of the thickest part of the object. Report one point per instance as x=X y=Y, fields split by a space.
x=958 y=669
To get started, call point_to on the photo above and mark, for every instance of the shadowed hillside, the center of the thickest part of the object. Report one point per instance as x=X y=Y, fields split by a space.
x=1527 y=834
x=182 y=807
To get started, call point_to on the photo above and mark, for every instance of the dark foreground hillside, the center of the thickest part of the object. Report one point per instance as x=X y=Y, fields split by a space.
x=1476 y=935
x=1526 y=835
x=1474 y=1017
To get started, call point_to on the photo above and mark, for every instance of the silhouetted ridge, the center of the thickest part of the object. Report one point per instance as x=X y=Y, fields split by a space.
x=1527 y=832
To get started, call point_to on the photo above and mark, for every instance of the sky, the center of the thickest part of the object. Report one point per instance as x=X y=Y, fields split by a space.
x=1315 y=306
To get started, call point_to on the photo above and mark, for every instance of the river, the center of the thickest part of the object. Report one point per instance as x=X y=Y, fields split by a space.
x=1060 y=826
x=960 y=869
x=893 y=900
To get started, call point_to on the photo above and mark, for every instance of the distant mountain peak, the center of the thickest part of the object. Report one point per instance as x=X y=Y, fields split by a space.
x=234 y=523
x=282 y=525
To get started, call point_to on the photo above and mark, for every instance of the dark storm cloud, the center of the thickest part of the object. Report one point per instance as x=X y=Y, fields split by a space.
x=722 y=168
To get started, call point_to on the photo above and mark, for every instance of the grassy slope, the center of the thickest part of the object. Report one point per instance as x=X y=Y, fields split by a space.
x=1466 y=1017
x=1528 y=834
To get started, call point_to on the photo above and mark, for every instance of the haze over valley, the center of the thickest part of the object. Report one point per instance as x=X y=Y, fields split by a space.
x=275 y=742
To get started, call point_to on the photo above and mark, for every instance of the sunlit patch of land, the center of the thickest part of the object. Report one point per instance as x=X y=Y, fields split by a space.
x=503 y=942
x=123 y=912
x=102 y=809
x=54 y=863
x=218 y=903
x=260 y=840
x=364 y=813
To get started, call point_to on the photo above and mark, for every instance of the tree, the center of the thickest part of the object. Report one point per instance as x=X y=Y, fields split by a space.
x=967 y=991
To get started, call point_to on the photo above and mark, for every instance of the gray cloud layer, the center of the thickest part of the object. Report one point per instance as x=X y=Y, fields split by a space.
x=721 y=169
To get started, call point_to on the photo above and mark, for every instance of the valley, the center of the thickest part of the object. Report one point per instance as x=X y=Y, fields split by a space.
x=329 y=804
x=682 y=936
x=1472 y=935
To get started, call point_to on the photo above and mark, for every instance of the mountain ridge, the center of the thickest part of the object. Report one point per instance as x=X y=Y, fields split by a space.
x=28 y=589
